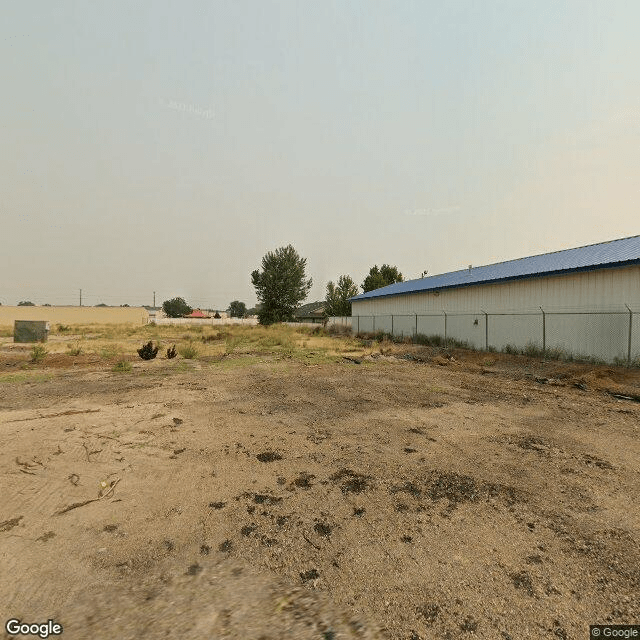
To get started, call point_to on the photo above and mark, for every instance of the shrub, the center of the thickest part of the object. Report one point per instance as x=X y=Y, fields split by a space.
x=434 y=340
x=213 y=337
x=339 y=330
x=171 y=352
x=123 y=366
x=148 y=351
x=75 y=350
x=38 y=352
x=532 y=350
x=63 y=327
x=231 y=343
x=188 y=352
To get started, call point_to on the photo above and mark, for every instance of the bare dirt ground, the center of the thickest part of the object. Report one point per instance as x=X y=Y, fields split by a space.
x=396 y=495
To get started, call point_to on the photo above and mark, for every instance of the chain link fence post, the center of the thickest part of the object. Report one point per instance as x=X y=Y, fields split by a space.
x=486 y=330
x=630 y=333
x=544 y=331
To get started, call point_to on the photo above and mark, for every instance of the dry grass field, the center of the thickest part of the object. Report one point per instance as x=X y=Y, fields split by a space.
x=276 y=483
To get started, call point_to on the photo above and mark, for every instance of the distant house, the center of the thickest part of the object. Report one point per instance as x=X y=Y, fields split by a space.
x=154 y=312
x=197 y=313
x=311 y=312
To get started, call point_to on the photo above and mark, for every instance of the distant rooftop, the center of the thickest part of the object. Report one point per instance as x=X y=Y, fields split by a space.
x=613 y=253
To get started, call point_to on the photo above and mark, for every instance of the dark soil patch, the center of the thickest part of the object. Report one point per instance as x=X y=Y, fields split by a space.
x=110 y=528
x=205 y=549
x=429 y=612
x=457 y=489
x=311 y=574
x=469 y=625
x=248 y=529
x=268 y=542
x=194 y=569
x=532 y=443
x=410 y=450
x=323 y=529
x=304 y=480
x=46 y=536
x=263 y=498
x=269 y=456
x=522 y=580
x=281 y=520
x=225 y=546
x=407 y=487
x=352 y=482
x=7 y=525
x=407 y=539
x=598 y=462
x=358 y=512
x=534 y=559
x=217 y=505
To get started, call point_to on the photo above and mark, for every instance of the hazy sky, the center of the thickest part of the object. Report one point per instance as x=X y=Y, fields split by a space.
x=168 y=146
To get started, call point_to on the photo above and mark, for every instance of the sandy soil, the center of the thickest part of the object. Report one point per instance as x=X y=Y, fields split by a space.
x=402 y=496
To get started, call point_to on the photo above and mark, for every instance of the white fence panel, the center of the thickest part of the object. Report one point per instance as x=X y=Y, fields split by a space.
x=205 y=321
x=602 y=335
x=404 y=325
x=515 y=330
x=468 y=328
x=344 y=321
x=431 y=325
x=635 y=338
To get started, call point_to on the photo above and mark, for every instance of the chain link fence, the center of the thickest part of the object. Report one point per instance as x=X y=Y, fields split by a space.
x=607 y=336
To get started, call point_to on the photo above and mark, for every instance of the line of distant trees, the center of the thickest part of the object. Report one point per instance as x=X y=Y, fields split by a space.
x=281 y=286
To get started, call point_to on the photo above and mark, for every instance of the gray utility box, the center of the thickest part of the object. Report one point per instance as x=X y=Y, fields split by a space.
x=30 y=331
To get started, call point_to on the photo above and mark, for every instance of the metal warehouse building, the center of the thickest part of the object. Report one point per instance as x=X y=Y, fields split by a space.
x=583 y=301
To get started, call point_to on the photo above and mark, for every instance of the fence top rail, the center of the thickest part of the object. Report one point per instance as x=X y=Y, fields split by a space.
x=499 y=313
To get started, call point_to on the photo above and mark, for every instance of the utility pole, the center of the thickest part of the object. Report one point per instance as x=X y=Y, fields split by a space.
x=80 y=297
x=154 y=299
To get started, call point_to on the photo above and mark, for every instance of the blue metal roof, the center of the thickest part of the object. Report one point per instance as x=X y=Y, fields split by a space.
x=594 y=256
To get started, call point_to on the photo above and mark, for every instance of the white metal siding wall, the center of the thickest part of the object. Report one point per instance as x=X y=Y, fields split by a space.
x=602 y=335
x=604 y=289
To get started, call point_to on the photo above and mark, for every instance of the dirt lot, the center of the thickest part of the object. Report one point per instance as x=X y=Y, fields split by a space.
x=296 y=493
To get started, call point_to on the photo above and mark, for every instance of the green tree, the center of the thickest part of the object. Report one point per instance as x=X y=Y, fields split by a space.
x=281 y=285
x=237 y=309
x=26 y=303
x=176 y=308
x=338 y=296
x=381 y=277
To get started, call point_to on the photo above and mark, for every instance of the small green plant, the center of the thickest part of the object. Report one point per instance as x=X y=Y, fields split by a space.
x=38 y=352
x=123 y=366
x=63 y=327
x=171 y=352
x=188 y=351
x=110 y=351
x=148 y=351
